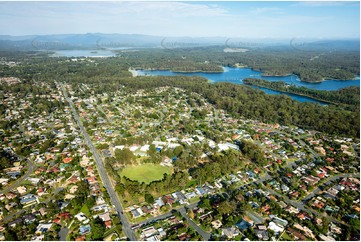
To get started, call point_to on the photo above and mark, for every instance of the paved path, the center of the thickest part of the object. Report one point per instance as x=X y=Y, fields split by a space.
x=327 y=182
x=102 y=173
x=9 y=217
x=30 y=170
x=165 y=215
x=255 y=217
x=63 y=233
x=302 y=207
x=205 y=235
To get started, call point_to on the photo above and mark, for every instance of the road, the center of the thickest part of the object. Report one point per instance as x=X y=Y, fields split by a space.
x=30 y=170
x=153 y=219
x=302 y=207
x=9 y=217
x=205 y=235
x=327 y=182
x=165 y=215
x=102 y=172
x=201 y=232
x=63 y=233
x=255 y=217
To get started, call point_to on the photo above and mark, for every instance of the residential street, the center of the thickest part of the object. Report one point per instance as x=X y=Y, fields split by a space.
x=63 y=233
x=30 y=170
x=14 y=215
x=205 y=235
x=103 y=174
x=326 y=182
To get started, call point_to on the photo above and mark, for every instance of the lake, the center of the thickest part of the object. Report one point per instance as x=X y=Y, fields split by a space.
x=236 y=75
x=83 y=53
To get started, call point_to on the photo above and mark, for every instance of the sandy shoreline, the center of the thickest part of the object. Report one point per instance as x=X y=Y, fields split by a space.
x=134 y=72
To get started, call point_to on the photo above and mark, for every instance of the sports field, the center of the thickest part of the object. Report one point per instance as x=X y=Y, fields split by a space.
x=145 y=173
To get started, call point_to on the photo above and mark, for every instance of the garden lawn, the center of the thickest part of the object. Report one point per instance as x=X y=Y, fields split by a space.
x=145 y=173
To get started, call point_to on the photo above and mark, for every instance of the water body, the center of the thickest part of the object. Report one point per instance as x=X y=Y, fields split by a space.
x=83 y=53
x=236 y=75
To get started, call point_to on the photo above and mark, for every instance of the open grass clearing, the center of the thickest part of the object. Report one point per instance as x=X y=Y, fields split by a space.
x=145 y=173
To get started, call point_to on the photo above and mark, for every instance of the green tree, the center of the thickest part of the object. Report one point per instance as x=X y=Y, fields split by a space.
x=227 y=207
x=149 y=198
x=152 y=150
x=205 y=203
x=98 y=229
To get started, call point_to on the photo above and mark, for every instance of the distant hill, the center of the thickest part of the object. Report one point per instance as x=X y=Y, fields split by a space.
x=116 y=41
x=326 y=45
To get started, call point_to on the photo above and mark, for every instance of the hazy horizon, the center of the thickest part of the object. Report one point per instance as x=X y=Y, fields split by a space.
x=247 y=20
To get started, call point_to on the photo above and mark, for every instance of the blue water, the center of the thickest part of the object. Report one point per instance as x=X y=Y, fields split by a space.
x=236 y=75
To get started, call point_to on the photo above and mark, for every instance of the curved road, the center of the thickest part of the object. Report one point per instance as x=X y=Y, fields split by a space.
x=9 y=217
x=301 y=205
x=30 y=170
x=102 y=173
x=205 y=235
x=327 y=182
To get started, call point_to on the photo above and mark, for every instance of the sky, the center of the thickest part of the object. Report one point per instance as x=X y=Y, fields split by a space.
x=278 y=20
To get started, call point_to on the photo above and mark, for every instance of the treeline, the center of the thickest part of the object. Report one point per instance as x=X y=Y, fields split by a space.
x=245 y=101
x=131 y=190
x=349 y=95
x=310 y=66
x=219 y=164
x=107 y=75
x=31 y=91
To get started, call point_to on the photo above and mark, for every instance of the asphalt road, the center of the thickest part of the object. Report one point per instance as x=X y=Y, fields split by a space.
x=30 y=170
x=206 y=236
x=302 y=207
x=11 y=216
x=63 y=233
x=327 y=182
x=102 y=173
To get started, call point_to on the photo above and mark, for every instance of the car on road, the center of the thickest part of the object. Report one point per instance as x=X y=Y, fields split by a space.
x=135 y=226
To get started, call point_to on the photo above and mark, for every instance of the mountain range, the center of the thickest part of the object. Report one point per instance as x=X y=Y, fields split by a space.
x=119 y=41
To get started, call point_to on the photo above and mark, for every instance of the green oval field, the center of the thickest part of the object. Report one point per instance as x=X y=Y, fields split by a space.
x=145 y=173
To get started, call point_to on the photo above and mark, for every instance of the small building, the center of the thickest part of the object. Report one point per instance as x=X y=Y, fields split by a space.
x=42 y=228
x=80 y=216
x=29 y=198
x=216 y=224
x=85 y=229
x=230 y=232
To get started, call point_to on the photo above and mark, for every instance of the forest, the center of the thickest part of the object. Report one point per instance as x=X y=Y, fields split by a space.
x=348 y=96
x=112 y=73
x=310 y=66
x=240 y=100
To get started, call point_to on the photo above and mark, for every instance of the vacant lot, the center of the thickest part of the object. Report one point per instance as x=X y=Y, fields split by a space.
x=145 y=173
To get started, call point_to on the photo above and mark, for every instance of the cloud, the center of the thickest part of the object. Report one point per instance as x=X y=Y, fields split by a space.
x=258 y=11
x=176 y=19
x=326 y=3
x=179 y=9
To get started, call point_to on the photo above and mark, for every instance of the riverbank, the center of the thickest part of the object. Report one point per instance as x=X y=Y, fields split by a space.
x=236 y=75
x=333 y=97
x=134 y=72
x=295 y=93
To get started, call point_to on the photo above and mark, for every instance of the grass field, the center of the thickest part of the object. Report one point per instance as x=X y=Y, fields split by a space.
x=145 y=173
